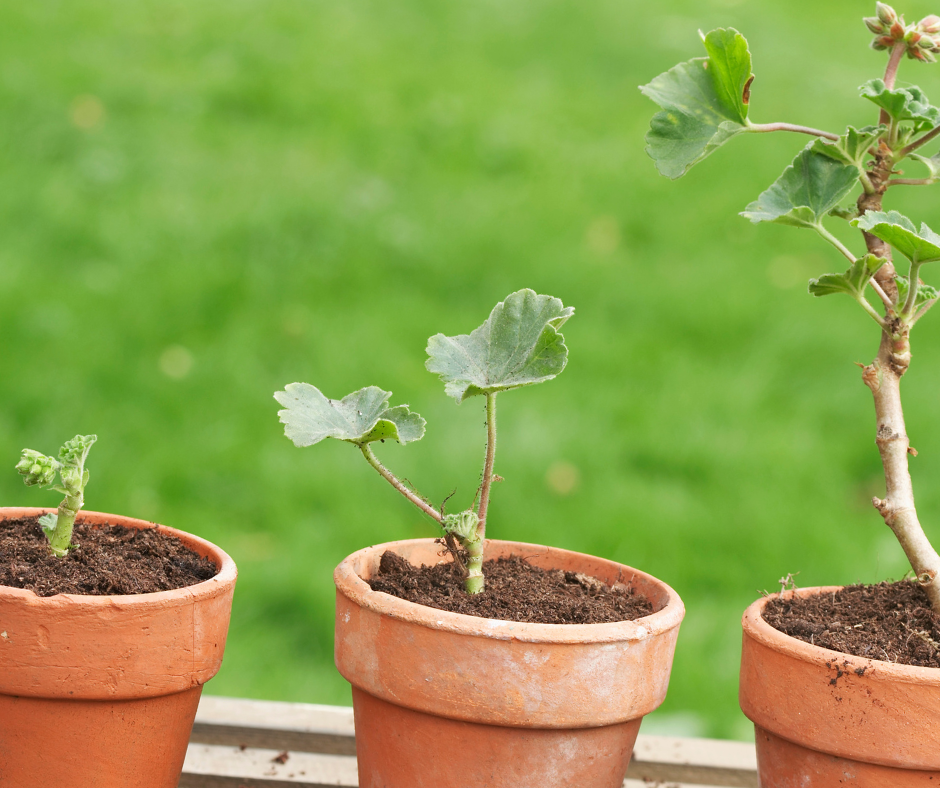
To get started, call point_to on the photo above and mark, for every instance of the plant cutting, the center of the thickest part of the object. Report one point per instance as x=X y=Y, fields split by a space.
x=115 y=674
x=536 y=703
x=851 y=714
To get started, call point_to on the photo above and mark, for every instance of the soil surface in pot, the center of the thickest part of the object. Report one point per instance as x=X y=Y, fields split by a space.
x=892 y=622
x=109 y=559
x=515 y=591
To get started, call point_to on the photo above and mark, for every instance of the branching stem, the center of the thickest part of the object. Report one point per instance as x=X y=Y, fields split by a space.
x=912 y=288
x=390 y=477
x=889 y=305
x=835 y=242
x=911 y=182
x=487 y=463
x=765 y=127
x=871 y=311
x=883 y=377
x=909 y=149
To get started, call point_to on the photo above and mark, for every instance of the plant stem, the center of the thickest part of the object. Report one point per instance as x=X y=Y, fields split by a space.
x=891 y=73
x=835 y=242
x=764 y=127
x=883 y=377
x=474 y=581
x=487 y=463
x=922 y=311
x=61 y=538
x=386 y=474
x=911 y=181
x=881 y=294
x=913 y=285
x=908 y=149
x=871 y=311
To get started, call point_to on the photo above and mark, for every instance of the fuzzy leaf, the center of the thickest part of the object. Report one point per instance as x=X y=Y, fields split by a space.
x=924 y=293
x=852 y=147
x=932 y=163
x=853 y=282
x=74 y=451
x=908 y=103
x=48 y=523
x=518 y=345
x=899 y=231
x=360 y=417
x=704 y=103
x=811 y=186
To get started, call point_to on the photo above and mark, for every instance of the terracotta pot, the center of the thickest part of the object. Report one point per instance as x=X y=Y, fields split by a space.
x=824 y=718
x=445 y=700
x=101 y=691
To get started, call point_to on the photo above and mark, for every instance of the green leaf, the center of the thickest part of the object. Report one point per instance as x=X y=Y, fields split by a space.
x=518 y=345
x=932 y=163
x=704 y=103
x=48 y=523
x=924 y=293
x=74 y=452
x=908 y=103
x=852 y=147
x=899 y=231
x=853 y=282
x=360 y=417
x=809 y=188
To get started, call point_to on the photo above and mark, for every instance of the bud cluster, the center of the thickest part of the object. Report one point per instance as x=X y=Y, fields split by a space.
x=922 y=39
x=37 y=468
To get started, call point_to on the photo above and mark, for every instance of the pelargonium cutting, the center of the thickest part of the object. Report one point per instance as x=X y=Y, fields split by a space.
x=520 y=344
x=39 y=470
x=706 y=102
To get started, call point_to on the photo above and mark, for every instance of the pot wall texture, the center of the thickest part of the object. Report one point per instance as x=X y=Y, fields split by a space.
x=102 y=690
x=567 y=694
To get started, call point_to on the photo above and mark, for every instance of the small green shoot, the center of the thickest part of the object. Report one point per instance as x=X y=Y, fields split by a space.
x=519 y=345
x=38 y=470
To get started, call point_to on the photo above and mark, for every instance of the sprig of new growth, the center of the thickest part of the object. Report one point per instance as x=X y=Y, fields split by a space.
x=40 y=471
x=519 y=345
x=705 y=103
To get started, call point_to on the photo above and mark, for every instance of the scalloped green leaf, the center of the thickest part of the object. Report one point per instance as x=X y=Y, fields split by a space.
x=853 y=282
x=924 y=293
x=360 y=417
x=852 y=147
x=932 y=163
x=518 y=345
x=704 y=103
x=896 y=229
x=908 y=103
x=808 y=189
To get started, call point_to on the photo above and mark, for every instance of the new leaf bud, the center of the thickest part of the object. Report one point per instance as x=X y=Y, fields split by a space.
x=929 y=24
x=36 y=468
x=886 y=13
x=874 y=24
x=926 y=42
x=463 y=525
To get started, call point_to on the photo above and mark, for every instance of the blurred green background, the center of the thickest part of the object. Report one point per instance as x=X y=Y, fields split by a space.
x=201 y=202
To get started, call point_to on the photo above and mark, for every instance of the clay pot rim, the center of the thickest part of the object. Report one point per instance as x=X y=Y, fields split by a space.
x=226 y=574
x=757 y=628
x=667 y=618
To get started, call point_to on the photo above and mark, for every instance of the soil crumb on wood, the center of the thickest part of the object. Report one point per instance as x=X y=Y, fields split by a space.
x=110 y=559
x=515 y=591
x=892 y=622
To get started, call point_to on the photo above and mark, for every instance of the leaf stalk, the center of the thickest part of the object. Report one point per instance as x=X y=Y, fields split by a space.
x=393 y=480
x=768 y=127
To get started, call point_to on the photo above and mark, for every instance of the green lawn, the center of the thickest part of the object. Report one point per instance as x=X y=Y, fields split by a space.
x=201 y=202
